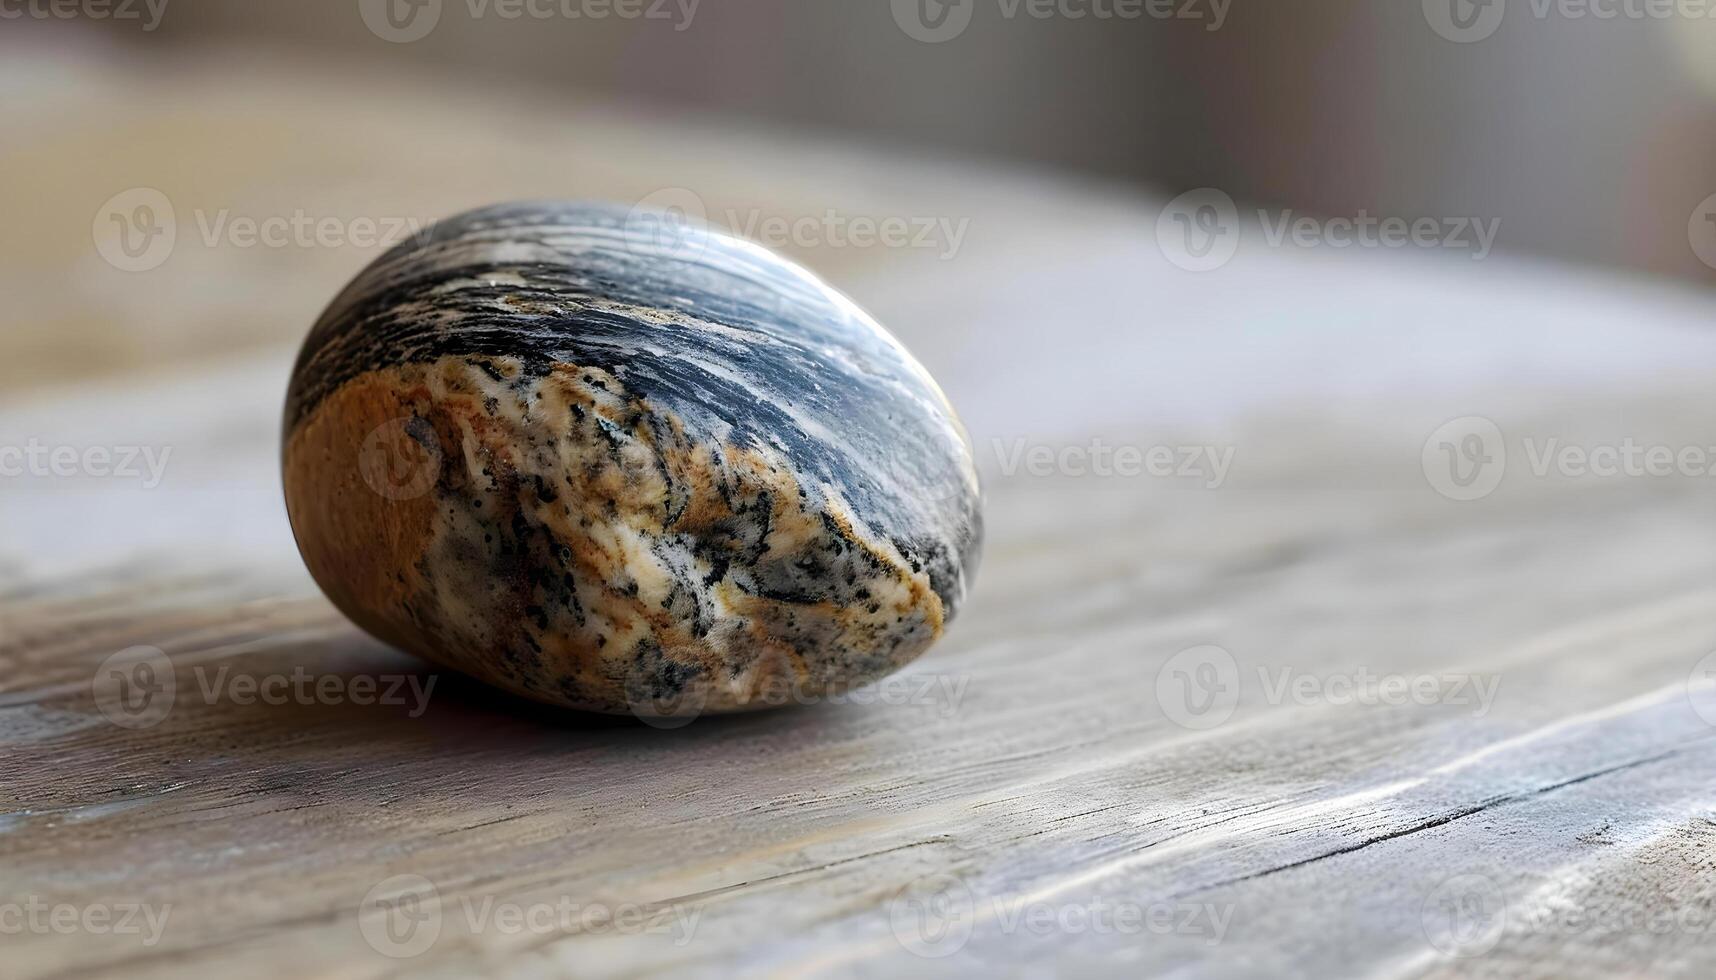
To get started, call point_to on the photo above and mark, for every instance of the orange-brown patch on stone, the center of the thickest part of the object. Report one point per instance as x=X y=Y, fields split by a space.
x=361 y=546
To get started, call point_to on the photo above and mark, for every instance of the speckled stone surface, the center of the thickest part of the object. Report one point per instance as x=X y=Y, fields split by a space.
x=626 y=465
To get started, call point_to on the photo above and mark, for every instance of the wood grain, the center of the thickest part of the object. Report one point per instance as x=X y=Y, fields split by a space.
x=1031 y=759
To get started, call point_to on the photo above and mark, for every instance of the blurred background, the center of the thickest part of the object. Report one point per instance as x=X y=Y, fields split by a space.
x=1587 y=126
x=1159 y=198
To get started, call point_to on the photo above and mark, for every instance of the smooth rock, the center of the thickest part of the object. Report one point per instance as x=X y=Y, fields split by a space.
x=610 y=460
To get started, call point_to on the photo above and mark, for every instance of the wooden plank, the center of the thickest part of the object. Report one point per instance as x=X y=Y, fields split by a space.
x=1031 y=758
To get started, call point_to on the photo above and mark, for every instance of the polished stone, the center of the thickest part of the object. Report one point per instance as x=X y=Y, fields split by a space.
x=615 y=461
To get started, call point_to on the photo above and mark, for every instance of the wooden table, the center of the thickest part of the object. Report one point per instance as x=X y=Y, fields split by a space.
x=1307 y=716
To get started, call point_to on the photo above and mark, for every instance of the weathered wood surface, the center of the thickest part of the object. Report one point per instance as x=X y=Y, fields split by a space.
x=1025 y=799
